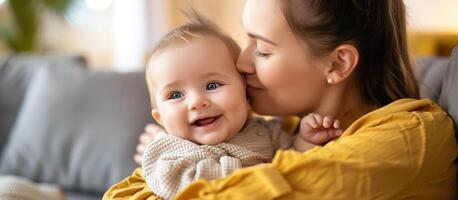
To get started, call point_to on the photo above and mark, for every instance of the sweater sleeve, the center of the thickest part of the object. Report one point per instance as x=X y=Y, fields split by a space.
x=132 y=187
x=395 y=158
x=171 y=163
x=372 y=163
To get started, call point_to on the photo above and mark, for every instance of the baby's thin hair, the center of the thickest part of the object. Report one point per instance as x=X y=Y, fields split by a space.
x=197 y=27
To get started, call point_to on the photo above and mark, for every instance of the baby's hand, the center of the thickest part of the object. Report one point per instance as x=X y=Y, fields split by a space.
x=319 y=130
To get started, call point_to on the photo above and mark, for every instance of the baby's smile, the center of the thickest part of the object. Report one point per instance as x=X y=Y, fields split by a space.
x=206 y=122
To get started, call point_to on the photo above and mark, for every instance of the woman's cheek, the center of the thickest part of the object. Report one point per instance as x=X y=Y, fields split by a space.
x=263 y=72
x=271 y=73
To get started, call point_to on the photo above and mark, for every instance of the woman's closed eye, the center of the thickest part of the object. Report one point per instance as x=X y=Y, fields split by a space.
x=213 y=86
x=175 y=95
x=261 y=54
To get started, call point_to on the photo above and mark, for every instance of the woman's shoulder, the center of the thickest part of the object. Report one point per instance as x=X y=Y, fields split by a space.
x=406 y=126
x=416 y=130
x=404 y=115
x=417 y=133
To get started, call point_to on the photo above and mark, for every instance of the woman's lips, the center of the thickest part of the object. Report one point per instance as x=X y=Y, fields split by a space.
x=254 y=87
x=251 y=90
x=253 y=82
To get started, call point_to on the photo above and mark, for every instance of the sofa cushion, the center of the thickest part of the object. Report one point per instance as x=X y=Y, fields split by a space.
x=448 y=98
x=429 y=72
x=15 y=74
x=78 y=128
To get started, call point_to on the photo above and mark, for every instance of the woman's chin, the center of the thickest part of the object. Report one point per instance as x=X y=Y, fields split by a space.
x=270 y=108
x=263 y=108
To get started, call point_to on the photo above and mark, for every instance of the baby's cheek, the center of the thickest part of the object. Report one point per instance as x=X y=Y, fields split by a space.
x=238 y=104
x=176 y=122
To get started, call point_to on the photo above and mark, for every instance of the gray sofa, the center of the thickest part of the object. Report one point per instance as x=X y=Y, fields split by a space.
x=63 y=123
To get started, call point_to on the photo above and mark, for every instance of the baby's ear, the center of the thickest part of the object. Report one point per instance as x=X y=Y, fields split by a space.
x=157 y=116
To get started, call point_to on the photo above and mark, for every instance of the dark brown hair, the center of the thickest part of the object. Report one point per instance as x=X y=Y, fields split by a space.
x=377 y=28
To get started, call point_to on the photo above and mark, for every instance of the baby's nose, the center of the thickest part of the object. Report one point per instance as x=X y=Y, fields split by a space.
x=199 y=103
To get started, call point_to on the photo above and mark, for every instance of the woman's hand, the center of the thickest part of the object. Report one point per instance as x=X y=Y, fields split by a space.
x=145 y=138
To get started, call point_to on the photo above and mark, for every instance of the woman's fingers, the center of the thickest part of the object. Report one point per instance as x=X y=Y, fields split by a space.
x=146 y=138
x=138 y=159
x=149 y=127
x=153 y=129
x=141 y=148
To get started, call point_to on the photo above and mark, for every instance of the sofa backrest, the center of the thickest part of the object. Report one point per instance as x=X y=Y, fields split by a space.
x=74 y=126
x=15 y=75
x=448 y=97
x=438 y=80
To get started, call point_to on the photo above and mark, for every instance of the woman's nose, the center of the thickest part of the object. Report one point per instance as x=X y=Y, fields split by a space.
x=198 y=102
x=245 y=63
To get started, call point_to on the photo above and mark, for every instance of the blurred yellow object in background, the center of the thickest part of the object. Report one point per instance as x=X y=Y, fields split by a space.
x=433 y=43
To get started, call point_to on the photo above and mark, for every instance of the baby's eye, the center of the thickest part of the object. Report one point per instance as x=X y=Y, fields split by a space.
x=213 y=85
x=175 y=95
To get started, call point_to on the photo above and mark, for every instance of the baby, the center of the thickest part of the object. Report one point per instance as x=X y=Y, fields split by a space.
x=198 y=96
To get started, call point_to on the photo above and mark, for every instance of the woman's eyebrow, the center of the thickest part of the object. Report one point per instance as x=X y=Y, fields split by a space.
x=252 y=35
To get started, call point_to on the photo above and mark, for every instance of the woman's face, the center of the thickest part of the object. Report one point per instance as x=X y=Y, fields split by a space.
x=283 y=76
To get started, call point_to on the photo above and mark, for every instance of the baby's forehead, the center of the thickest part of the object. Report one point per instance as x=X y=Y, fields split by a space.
x=205 y=49
x=207 y=53
x=190 y=60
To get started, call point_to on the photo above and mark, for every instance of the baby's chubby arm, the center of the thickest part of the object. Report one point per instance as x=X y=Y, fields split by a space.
x=170 y=163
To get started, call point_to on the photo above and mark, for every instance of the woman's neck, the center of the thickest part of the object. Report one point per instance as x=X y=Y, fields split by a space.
x=344 y=102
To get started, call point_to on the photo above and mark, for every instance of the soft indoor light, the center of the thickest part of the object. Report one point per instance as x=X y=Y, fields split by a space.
x=97 y=5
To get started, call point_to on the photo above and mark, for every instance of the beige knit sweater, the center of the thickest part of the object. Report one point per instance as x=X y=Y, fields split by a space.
x=170 y=163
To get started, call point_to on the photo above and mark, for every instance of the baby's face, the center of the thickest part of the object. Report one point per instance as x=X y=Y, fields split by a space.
x=198 y=92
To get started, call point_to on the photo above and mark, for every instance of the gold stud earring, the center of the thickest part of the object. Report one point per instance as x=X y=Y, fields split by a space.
x=330 y=81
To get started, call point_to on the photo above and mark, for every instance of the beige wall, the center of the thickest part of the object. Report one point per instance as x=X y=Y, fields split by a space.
x=432 y=16
x=93 y=37
x=226 y=13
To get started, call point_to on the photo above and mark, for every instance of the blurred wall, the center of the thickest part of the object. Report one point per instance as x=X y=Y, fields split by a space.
x=432 y=16
x=433 y=26
x=227 y=14
x=111 y=39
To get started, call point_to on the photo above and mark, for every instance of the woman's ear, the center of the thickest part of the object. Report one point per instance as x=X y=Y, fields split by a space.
x=344 y=60
x=157 y=116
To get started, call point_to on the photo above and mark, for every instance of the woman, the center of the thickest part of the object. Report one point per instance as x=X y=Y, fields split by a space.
x=347 y=59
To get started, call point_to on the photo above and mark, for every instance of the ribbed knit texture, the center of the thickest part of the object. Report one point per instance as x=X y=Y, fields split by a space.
x=170 y=163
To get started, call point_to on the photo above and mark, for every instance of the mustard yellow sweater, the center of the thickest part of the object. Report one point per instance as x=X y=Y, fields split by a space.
x=405 y=150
